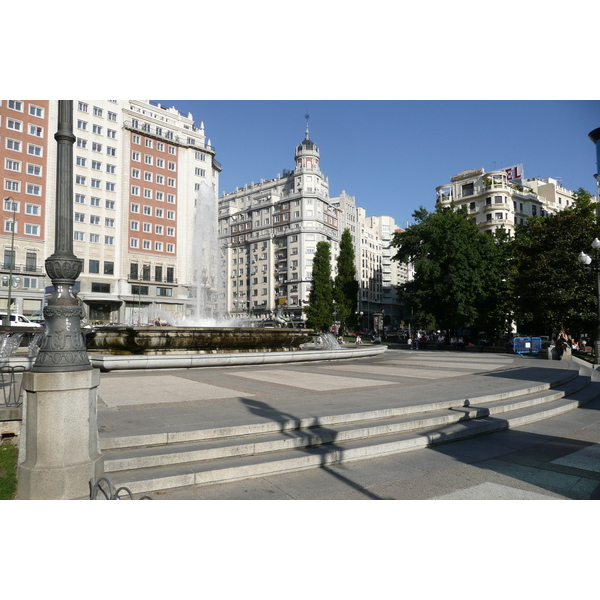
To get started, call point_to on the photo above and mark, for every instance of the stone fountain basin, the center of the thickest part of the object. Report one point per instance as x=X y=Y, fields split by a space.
x=193 y=340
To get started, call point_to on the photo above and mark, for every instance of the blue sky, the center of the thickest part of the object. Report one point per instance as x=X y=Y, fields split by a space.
x=391 y=155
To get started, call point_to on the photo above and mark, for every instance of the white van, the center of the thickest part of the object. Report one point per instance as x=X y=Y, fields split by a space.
x=17 y=320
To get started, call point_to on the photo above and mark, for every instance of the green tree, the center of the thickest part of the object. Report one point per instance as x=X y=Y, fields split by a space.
x=319 y=311
x=551 y=291
x=345 y=285
x=460 y=275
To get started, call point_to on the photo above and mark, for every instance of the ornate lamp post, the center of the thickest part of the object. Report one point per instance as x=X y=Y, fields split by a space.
x=12 y=260
x=61 y=450
x=593 y=264
x=63 y=346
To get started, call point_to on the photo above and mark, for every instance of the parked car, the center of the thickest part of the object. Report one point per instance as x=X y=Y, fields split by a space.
x=17 y=320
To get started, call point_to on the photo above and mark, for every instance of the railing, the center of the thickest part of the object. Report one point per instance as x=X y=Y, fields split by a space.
x=20 y=268
x=12 y=392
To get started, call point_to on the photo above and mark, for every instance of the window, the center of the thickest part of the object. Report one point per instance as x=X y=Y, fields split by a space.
x=34 y=170
x=201 y=172
x=81 y=124
x=95 y=201
x=15 y=105
x=34 y=150
x=139 y=290
x=12 y=185
x=109 y=240
x=81 y=143
x=135 y=208
x=135 y=190
x=160 y=179
x=171 y=231
x=134 y=225
x=148 y=159
x=30 y=282
x=96 y=183
x=147 y=227
x=171 y=166
x=134 y=243
x=160 y=147
x=147 y=193
x=97 y=111
x=158 y=246
x=171 y=248
x=79 y=217
x=148 y=143
x=133 y=271
x=96 y=165
x=34 y=190
x=36 y=130
x=146 y=245
x=110 y=204
x=97 y=129
x=162 y=291
x=79 y=236
x=136 y=156
x=158 y=273
x=13 y=145
x=111 y=133
x=147 y=210
x=171 y=182
x=160 y=196
x=110 y=187
x=111 y=169
x=171 y=215
x=82 y=106
x=12 y=165
x=160 y=163
x=9 y=259
x=93 y=266
x=33 y=209
x=94 y=238
x=111 y=116
x=80 y=161
x=109 y=222
x=171 y=198
x=109 y=267
x=94 y=219
x=111 y=151
x=36 y=111
x=31 y=229
x=101 y=288
x=159 y=213
x=136 y=139
x=147 y=176
x=170 y=275
x=14 y=125
x=158 y=229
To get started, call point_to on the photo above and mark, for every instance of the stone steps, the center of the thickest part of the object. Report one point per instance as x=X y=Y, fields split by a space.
x=216 y=455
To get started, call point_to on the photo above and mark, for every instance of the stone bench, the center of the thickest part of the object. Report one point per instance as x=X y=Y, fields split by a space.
x=552 y=354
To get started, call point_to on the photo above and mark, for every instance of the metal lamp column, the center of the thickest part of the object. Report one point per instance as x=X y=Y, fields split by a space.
x=60 y=455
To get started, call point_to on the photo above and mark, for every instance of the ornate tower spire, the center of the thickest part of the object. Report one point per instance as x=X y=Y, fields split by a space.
x=307 y=117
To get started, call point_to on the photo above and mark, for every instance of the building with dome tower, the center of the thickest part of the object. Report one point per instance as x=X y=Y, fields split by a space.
x=269 y=231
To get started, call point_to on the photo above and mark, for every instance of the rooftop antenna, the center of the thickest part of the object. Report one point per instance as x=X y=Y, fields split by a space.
x=307 y=117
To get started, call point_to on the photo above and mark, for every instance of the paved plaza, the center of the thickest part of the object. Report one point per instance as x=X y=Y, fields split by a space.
x=555 y=459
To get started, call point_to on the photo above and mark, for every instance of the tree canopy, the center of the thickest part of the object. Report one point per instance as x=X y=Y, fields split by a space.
x=460 y=273
x=551 y=291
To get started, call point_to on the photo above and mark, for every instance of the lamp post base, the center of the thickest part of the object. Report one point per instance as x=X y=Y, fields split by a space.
x=60 y=451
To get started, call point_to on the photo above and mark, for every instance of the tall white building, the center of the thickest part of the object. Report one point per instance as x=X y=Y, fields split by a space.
x=270 y=231
x=502 y=198
x=138 y=169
